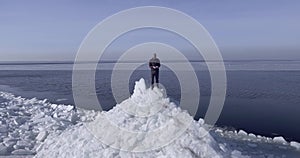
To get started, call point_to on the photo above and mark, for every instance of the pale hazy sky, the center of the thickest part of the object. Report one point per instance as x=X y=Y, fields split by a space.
x=53 y=30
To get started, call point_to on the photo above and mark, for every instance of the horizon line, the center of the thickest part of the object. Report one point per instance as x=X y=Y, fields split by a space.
x=132 y=61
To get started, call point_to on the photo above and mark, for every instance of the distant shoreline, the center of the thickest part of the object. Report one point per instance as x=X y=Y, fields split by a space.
x=133 y=61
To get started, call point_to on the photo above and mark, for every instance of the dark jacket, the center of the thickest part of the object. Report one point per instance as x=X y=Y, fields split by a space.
x=154 y=64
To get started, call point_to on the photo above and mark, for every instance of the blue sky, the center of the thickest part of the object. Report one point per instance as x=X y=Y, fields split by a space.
x=53 y=30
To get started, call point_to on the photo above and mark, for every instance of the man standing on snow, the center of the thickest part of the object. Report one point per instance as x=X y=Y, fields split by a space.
x=154 y=65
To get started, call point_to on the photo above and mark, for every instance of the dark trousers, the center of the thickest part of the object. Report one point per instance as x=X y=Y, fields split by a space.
x=154 y=73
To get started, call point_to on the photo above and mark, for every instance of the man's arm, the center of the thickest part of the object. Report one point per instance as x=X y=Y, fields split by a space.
x=158 y=64
x=151 y=64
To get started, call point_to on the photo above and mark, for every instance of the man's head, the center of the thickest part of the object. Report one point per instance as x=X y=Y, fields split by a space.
x=154 y=55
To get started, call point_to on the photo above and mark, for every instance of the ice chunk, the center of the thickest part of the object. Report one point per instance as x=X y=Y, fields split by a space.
x=69 y=108
x=3 y=129
x=295 y=145
x=242 y=133
x=25 y=127
x=53 y=106
x=238 y=154
x=251 y=135
x=74 y=118
x=279 y=140
x=23 y=144
x=201 y=121
x=23 y=152
x=3 y=149
x=12 y=113
x=140 y=87
x=252 y=145
x=44 y=101
x=10 y=142
x=13 y=108
x=20 y=120
x=42 y=136
x=223 y=147
x=39 y=115
x=218 y=130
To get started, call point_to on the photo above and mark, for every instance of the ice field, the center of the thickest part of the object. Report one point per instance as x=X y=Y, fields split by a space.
x=38 y=128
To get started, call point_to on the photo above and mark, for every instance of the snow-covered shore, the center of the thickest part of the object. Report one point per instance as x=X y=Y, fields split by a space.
x=37 y=127
x=26 y=123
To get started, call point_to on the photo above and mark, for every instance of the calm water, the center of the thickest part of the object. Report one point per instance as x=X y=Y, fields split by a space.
x=261 y=101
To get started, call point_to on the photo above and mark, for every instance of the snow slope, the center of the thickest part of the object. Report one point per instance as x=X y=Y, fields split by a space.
x=36 y=127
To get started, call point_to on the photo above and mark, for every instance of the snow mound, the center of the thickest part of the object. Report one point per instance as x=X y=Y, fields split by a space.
x=82 y=141
x=101 y=134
